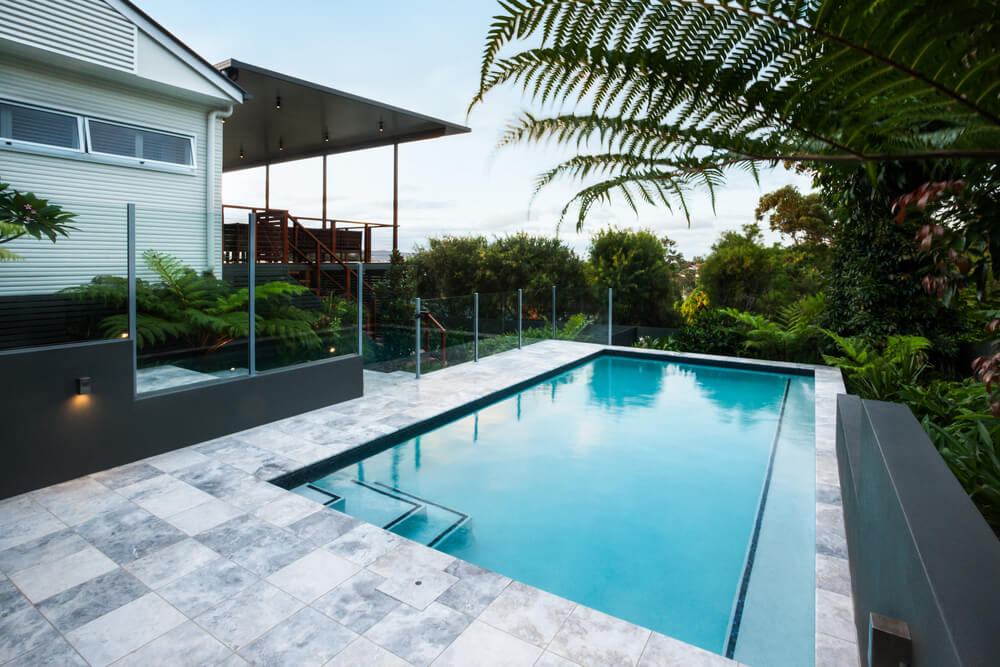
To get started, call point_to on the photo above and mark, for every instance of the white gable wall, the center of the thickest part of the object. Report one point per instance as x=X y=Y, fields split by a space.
x=171 y=206
x=89 y=30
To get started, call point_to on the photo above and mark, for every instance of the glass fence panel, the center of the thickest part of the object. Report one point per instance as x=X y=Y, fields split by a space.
x=582 y=314
x=305 y=315
x=71 y=290
x=536 y=316
x=192 y=312
x=390 y=335
x=497 y=323
x=448 y=332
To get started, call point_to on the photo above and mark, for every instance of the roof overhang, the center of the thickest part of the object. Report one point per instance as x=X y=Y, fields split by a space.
x=312 y=120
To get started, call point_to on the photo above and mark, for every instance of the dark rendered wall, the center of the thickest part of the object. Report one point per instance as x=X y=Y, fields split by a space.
x=920 y=552
x=49 y=433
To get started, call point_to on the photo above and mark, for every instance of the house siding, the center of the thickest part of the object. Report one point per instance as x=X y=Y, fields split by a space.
x=170 y=206
x=89 y=30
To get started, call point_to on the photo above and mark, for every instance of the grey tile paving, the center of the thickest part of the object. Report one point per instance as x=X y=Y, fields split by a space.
x=475 y=590
x=418 y=588
x=207 y=586
x=307 y=638
x=201 y=517
x=323 y=526
x=171 y=562
x=834 y=652
x=187 y=644
x=287 y=510
x=239 y=620
x=552 y=660
x=29 y=529
x=164 y=495
x=78 y=500
x=364 y=544
x=357 y=603
x=835 y=615
x=528 y=613
x=117 y=633
x=43 y=581
x=23 y=630
x=125 y=475
x=833 y=574
x=43 y=550
x=363 y=653
x=663 y=651
x=313 y=575
x=485 y=646
x=129 y=534
x=92 y=599
x=593 y=639
x=55 y=653
x=418 y=636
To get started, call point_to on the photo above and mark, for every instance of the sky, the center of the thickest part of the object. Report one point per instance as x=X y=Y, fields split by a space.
x=423 y=56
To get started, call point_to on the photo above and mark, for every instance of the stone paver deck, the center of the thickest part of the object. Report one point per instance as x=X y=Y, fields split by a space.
x=191 y=557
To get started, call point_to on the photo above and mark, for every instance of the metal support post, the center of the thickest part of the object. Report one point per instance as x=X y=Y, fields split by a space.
x=519 y=319
x=252 y=300
x=361 y=309
x=553 y=312
x=610 y=337
x=475 y=325
x=418 y=337
x=132 y=333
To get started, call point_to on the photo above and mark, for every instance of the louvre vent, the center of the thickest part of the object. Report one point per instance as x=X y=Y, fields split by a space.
x=90 y=30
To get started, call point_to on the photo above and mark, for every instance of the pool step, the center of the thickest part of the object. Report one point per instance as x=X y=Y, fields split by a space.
x=403 y=513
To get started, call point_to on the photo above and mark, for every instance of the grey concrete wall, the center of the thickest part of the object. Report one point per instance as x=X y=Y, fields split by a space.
x=920 y=551
x=49 y=433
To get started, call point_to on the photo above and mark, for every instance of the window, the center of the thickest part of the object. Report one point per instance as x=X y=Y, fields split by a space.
x=133 y=142
x=38 y=126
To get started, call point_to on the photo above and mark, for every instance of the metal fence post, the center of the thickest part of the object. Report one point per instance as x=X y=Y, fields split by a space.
x=252 y=301
x=475 y=325
x=132 y=333
x=519 y=319
x=610 y=337
x=418 y=337
x=361 y=309
x=553 y=312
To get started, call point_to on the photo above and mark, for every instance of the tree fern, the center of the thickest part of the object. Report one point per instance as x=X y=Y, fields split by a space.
x=681 y=92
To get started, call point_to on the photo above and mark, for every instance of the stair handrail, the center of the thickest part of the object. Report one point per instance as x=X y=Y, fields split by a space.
x=444 y=335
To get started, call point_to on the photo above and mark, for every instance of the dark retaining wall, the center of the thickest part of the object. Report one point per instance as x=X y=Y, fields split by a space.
x=49 y=433
x=920 y=552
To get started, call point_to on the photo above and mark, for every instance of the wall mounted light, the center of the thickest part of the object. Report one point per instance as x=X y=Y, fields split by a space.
x=281 y=144
x=83 y=385
x=326 y=137
x=277 y=102
x=123 y=334
x=332 y=350
x=242 y=155
x=381 y=127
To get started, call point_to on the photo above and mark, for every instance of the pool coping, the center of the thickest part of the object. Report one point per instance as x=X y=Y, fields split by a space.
x=232 y=474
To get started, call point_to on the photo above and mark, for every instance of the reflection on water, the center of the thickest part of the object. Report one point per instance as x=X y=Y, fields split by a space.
x=642 y=472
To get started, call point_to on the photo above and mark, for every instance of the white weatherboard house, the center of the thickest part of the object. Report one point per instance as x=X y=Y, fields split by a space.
x=101 y=107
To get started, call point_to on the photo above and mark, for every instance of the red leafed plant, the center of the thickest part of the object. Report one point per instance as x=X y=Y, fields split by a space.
x=957 y=243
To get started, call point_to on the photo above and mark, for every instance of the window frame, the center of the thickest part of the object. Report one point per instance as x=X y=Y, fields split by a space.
x=192 y=140
x=85 y=153
x=35 y=146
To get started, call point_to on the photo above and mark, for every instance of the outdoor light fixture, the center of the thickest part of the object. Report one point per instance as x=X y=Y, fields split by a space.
x=381 y=127
x=83 y=385
x=281 y=144
x=277 y=102
x=332 y=350
x=241 y=153
x=123 y=334
x=326 y=136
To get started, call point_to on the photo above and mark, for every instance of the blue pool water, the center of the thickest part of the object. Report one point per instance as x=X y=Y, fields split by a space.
x=628 y=485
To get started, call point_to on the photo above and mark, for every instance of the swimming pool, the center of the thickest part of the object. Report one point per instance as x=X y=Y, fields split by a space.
x=630 y=485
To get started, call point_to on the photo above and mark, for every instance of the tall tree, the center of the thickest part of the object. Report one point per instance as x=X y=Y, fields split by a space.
x=803 y=218
x=681 y=92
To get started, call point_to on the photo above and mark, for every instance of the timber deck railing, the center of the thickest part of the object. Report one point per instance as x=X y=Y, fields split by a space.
x=281 y=238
